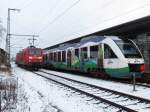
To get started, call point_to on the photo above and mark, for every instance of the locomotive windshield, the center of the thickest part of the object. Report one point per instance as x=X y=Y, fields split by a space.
x=128 y=49
x=35 y=52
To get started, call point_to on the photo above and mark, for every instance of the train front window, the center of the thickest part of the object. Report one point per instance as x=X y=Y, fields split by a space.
x=108 y=53
x=128 y=49
x=35 y=52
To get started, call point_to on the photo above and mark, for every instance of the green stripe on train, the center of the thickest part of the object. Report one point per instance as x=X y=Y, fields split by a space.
x=117 y=72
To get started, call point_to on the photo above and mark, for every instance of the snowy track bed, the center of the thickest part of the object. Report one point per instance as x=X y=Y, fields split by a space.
x=141 y=91
x=117 y=100
x=37 y=94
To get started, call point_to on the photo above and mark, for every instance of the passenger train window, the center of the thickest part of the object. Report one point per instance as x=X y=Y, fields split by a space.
x=55 y=56
x=93 y=51
x=59 y=56
x=64 y=56
x=108 y=53
x=84 y=53
x=77 y=52
x=51 y=56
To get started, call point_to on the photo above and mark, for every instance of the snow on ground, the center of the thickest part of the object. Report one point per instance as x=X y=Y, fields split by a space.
x=37 y=94
x=125 y=88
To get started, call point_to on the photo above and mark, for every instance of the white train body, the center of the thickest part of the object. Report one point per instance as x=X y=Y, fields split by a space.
x=109 y=55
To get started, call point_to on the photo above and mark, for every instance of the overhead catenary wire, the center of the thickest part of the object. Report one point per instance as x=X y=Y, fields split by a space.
x=51 y=10
x=59 y=16
x=28 y=3
x=21 y=26
x=25 y=4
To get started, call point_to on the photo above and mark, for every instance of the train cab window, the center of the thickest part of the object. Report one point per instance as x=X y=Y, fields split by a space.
x=59 y=56
x=93 y=51
x=84 y=53
x=77 y=52
x=64 y=56
x=128 y=49
x=108 y=53
x=35 y=52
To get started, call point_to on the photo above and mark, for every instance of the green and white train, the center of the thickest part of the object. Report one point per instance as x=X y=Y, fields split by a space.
x=107 y=56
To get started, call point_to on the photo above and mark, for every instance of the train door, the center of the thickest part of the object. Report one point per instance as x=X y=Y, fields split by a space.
x=110 y=61
x=69 y=57
x=100 y=58
x=84 y=58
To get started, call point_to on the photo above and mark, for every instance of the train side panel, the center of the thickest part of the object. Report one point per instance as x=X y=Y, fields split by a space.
x=111 y=57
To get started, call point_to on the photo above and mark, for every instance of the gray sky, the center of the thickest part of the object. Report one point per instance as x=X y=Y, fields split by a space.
x=61 y=20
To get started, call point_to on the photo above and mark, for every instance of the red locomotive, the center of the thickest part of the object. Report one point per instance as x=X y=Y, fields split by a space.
x=30 y=57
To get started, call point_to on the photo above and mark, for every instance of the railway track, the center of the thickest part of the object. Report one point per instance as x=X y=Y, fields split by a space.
x=119 y=101
x=138 y=83
x=146 y=85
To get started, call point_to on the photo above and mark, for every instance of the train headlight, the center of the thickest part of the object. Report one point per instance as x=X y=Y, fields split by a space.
x=30 y=57
x=39 y=57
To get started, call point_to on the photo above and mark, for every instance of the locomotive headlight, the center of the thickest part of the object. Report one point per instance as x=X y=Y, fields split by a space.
x=30 y=57
x=39 y=57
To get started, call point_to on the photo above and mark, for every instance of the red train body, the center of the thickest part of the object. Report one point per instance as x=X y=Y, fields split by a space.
x=30 y=57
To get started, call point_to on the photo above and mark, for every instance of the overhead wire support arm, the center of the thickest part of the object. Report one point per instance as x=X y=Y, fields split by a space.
x=59 y=16
x=33 y=37
x=24 y=35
